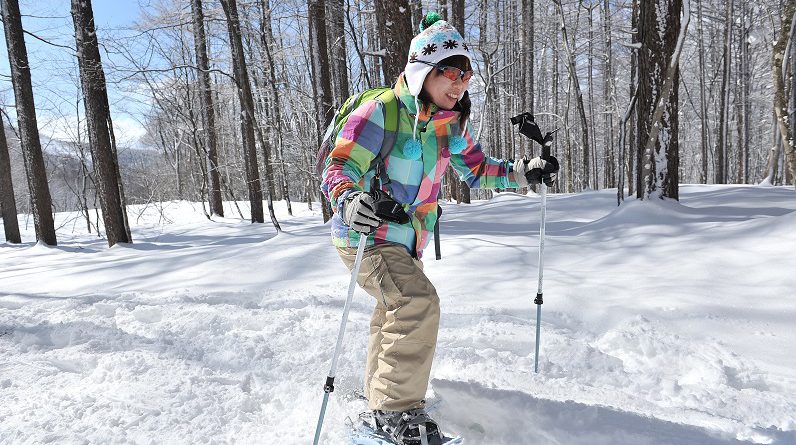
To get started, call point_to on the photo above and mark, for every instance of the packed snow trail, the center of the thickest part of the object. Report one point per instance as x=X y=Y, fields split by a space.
x=663 y=323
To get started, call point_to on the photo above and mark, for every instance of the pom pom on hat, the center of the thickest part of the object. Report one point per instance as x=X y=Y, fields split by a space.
x=413 y=149
x=429 y=19
x=457 y=144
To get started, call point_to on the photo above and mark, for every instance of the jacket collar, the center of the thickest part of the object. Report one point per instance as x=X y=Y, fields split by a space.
x=401 y=90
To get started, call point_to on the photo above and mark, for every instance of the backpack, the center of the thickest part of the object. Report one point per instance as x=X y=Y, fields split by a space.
x=384 y=95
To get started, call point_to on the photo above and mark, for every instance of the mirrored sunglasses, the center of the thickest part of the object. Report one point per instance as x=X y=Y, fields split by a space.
x=450 y=72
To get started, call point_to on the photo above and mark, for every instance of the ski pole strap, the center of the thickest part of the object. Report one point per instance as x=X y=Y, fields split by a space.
x=329 y=386
x=538 y=299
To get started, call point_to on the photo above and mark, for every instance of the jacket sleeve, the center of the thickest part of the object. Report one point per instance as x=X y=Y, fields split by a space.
x=479 y=170
x=357 y=144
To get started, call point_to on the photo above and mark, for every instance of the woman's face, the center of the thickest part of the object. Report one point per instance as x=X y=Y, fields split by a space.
x=443 y=91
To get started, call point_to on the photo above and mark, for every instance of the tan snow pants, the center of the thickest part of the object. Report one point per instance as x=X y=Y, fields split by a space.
x=403 y=328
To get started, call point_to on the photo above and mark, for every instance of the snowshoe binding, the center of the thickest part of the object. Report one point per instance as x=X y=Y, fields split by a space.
x=413 y=427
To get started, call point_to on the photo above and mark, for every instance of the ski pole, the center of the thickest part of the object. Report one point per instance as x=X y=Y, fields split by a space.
x=436 y=228
x=328 y=387
x=538 y=300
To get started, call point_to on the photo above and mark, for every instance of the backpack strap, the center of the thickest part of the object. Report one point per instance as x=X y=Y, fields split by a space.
x=390 y=108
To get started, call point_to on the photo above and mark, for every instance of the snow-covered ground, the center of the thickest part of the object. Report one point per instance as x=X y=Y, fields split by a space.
x=663 y=323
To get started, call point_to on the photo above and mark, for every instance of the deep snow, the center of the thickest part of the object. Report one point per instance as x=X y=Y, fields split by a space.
x=663 y=323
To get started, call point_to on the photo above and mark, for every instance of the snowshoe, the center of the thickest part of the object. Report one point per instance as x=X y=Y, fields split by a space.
x=413 y=427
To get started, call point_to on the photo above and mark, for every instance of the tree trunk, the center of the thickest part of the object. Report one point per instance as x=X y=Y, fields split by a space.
x=662 y=40
x=267 y=40
x=592 y=132
x=528 y=27
x=793 y=88
x=339 y=53
x=457 y=20
x=703 y=105
x=260 y=107
x=442 y=8
x=246 y=111
x=745 y=87
x=8 y=204
x=321 y=86
x=208 y=110
x=41 y=203
x=102 y=143
x=573 y=74
x=608 y=95
x=778 y=62
x=634 y=158
x=395 y=36
x=721 y=137
x=416 y=9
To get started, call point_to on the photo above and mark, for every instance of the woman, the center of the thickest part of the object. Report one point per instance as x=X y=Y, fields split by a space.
x=433 y=132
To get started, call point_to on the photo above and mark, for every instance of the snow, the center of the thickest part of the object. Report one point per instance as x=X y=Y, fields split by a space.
x=663 y=323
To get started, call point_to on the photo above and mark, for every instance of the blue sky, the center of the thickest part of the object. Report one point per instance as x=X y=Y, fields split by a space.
x=53 y=69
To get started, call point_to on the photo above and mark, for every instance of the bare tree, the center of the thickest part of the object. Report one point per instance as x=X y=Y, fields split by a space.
x=41 y=203
x=246 y=110
x=395 y=35
x=779 y=64
x=457 y=16
x=208 y=111
x=321 y=86
x=267 y=43
x=528 y=59
x=338 y=50
x=721 y=136
x=703 y=106
x=98 y=120
x=743 y=105
x=590 y=70
x=8 y=204
x=633 y=159
x=662 y=35
x=576 y=91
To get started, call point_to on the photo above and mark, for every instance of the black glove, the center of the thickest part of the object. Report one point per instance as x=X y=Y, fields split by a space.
x=359 y=212
x=550 y=177
x=528 y=127
x=537 y=170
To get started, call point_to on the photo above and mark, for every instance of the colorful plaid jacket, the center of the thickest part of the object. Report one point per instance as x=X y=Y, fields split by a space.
x=414 y=183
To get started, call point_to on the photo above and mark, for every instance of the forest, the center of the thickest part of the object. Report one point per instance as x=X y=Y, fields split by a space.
x=233 y=97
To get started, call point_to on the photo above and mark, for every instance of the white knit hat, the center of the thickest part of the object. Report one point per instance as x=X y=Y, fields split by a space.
x=437 y=40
